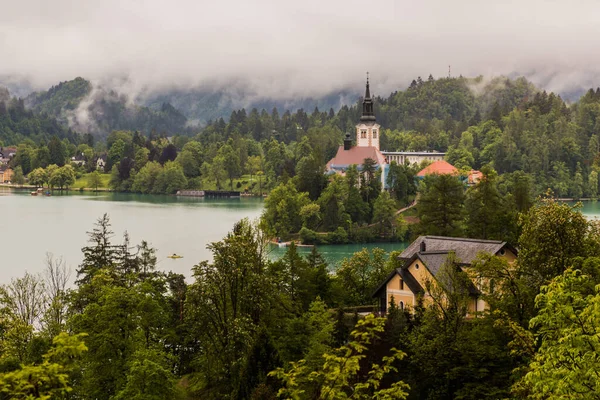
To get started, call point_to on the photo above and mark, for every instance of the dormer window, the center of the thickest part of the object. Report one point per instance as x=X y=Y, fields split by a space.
x=401 y=284
x=363 y=134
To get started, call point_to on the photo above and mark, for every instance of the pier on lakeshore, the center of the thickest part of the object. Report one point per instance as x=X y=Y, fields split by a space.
x=208 y=193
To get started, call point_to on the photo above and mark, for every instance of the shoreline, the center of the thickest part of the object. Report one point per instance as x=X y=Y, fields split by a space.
x=104 y=190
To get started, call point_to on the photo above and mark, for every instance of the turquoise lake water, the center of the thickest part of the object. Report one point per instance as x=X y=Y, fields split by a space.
x=30 y=226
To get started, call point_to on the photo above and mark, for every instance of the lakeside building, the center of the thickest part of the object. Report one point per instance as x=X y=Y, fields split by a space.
x=422 y=262
x=6 y=153
x=368 y=133
x=6 y=174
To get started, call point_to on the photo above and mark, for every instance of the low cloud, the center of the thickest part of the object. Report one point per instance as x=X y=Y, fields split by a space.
x=277 y=49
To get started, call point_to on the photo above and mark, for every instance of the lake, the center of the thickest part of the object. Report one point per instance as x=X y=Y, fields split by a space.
x=30 y=226
x=590 y=209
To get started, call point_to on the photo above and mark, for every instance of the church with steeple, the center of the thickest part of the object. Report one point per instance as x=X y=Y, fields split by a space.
x=367 y=130
x=367 y=143
x=367 y=146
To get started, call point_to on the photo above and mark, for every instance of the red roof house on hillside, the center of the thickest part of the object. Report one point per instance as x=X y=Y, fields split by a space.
x=439 y=167
x=474 y=177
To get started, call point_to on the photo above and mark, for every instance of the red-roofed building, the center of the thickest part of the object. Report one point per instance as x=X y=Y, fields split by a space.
x=474 y=177
x=354 y=156
x=440 y=167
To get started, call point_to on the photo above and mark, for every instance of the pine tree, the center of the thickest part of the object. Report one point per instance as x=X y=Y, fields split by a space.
x=440 y=207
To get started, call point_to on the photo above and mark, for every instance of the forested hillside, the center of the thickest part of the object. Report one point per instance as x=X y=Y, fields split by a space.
x=18 y=124
x=96 y=110
x=506 y=123
x=207 y=105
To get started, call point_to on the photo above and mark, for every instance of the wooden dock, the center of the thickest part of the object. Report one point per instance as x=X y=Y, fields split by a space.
x=287 y=244
x=208 y=193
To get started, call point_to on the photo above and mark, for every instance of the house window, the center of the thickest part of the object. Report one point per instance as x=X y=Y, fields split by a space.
x=502 y=252
x=363 y=134
x=401 y=284
x=374 y=133
x=402 y=305
x=417 y=266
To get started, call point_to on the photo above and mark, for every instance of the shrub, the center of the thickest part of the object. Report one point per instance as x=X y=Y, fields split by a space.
x=339 y=236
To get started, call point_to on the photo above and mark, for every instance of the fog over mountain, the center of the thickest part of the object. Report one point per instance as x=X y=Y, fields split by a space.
x=309 y=48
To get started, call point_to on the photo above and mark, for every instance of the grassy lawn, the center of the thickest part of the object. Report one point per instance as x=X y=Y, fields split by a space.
x=83 y=181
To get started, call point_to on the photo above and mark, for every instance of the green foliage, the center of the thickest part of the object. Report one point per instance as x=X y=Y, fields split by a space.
x=553 y=235
x=18 y=176
x=360 y=275
x=62 y=177
x=489 y=215
x=384 y=211
x=94 y=180
x=440 y=207
x=282 y=210
x=150 y=377
x=49 y=379
x=566 y=362
x=226 y=303
x=339 y=377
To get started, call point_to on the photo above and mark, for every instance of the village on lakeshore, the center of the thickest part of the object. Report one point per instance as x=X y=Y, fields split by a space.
x=477 y=256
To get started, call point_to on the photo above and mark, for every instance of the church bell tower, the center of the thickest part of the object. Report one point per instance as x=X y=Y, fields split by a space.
x=367 y=129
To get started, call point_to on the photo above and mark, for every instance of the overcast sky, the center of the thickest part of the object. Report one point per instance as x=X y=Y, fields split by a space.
x=298 y=47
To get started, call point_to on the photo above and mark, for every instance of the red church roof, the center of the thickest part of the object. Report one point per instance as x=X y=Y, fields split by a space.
x=439 y=167
x=356 y=155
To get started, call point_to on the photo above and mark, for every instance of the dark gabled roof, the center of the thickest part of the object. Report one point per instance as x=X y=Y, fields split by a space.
x=436 y=252
x=410 y=280
x=466 y=250
x=406 y=276
x=433 y=260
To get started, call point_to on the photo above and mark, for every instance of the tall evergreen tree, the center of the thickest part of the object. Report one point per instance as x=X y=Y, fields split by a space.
x=441 y=206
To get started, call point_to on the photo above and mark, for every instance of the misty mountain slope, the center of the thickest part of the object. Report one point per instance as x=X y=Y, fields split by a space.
x=60 y=99
x=4 y=94
x=203 y=105
x=18 y=123
x=86 y=108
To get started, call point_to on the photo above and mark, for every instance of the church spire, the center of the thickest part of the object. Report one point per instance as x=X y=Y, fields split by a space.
x=367 y=107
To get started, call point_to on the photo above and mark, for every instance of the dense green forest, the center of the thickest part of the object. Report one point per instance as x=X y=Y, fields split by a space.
x=249 y=328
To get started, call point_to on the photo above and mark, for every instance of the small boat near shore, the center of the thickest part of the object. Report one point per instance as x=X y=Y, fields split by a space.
x=174 y=256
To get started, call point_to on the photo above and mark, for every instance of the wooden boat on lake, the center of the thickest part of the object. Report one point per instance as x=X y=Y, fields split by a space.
x=174 y=256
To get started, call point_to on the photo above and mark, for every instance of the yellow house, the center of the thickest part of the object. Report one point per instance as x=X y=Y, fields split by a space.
x=6 y=175
x=423 y=260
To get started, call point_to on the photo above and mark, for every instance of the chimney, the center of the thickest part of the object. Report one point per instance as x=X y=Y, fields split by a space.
x=423 y=247
x=347 y=142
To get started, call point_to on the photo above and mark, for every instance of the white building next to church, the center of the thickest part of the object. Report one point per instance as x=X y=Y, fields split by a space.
x=412 y=157
x=367 y=146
